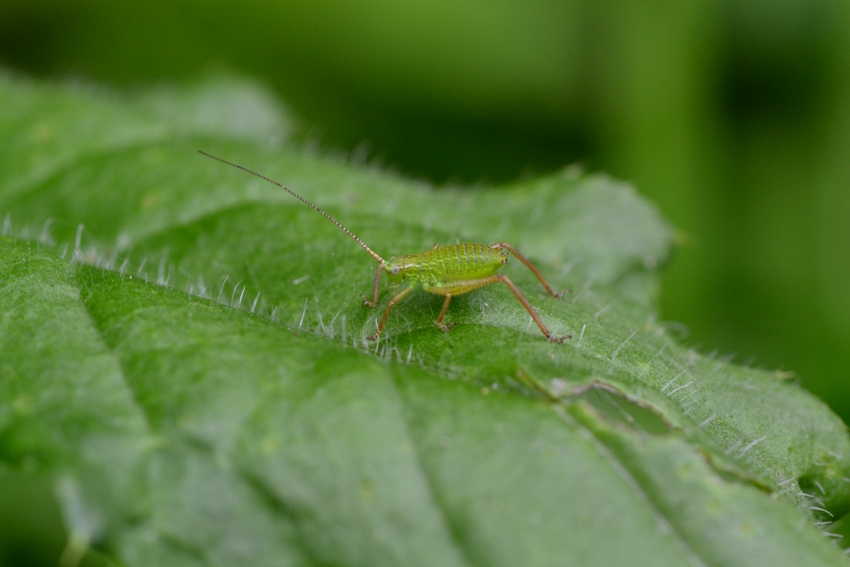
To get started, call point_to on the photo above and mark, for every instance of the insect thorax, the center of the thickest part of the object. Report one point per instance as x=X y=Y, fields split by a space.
x=455 y=262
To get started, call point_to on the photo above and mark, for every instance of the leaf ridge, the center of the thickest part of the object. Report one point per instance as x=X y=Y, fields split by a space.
x=664 y=522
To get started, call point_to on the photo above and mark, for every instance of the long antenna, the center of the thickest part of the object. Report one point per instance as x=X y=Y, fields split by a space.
x=294 y=194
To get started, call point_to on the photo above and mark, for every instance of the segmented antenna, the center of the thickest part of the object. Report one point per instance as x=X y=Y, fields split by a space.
x=294 y=194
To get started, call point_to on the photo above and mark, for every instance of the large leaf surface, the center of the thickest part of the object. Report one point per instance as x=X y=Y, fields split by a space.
x=184 y=361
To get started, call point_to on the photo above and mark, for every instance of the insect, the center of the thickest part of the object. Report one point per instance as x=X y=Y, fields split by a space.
x=443 y=270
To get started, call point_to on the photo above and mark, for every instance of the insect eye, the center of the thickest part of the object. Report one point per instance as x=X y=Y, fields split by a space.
x=395 y=270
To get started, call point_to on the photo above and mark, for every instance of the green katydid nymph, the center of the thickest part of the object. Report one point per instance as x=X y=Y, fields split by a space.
x=443 y=270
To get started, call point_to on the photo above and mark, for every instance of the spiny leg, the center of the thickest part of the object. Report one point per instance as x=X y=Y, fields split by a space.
x=475 y=284
x=401 y=295
x=447 y=326
x=529 y=308
x=529 y=265
x=375 y=286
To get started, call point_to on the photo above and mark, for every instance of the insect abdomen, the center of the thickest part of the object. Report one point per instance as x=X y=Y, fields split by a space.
x=459 y=262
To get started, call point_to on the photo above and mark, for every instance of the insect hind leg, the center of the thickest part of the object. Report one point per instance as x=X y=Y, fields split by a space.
x=529 y=308
x=495 y=278
x=530 y=266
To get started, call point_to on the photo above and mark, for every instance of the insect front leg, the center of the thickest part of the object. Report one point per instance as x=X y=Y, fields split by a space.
x=375 y=286
x=401 y=295
x=529 y=265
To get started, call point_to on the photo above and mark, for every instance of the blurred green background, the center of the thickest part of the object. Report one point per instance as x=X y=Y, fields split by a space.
x=732 y=116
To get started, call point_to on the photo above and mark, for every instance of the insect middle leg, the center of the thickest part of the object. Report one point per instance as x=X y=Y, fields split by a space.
x=445 y=326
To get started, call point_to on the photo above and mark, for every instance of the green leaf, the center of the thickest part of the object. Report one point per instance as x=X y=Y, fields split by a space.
x=185 y=364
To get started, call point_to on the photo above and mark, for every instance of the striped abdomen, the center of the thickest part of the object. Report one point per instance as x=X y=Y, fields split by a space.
x=444 y=265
